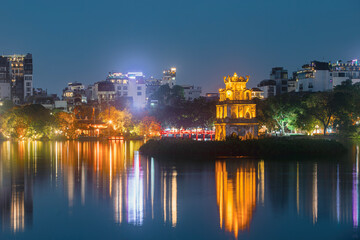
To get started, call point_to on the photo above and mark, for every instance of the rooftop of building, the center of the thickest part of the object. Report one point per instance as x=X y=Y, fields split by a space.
x=106 y=86
x=267 y=82
x=256 y=90
x=316 y=65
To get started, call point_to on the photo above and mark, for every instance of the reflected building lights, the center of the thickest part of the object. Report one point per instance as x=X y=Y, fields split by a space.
x=297 y=189
x=152 y=187
x=169 y=197
x=174 y=199
x=135 y=193
x=17 y=217
x=315 y=195
x=261 y=182
x=337 y=194
x=355 y=191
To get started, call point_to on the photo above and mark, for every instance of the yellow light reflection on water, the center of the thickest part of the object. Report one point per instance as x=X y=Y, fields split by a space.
x=236 y=197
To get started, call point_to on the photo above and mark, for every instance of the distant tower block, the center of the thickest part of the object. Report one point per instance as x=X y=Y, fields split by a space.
x=236 y=112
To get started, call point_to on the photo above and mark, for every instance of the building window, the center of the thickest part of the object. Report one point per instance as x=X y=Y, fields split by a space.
x=311 y=85
x=139 y=93
x=139 y=88
x=125 y=88
x=125 y=94
x=28 y=89
x=119 y=87
x=28 y=84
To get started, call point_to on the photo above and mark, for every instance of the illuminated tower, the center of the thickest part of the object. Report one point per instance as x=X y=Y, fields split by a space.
x=235 y=113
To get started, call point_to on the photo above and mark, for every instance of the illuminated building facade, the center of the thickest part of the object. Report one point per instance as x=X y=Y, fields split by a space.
x=169 y=77
x=314 y=77
x=74 y=94
x=235 y=113
x=341 y=72
x=257 y=93
x=16 y=71
x=130 y=85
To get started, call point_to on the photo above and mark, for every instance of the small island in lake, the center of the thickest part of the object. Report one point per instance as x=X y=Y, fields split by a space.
x=266 y=147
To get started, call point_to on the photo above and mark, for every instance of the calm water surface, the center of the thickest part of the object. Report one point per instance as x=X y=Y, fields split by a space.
x=97 y=190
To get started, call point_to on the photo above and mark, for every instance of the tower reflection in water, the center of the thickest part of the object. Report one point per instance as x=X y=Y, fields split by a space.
x=236 y=196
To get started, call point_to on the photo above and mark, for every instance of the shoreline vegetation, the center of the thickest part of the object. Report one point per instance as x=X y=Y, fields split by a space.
x=265 y=147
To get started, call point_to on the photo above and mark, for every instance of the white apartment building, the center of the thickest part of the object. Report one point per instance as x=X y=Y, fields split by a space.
x=268 y=87
x=191 y=92
x=130 y=85
x=314 y=77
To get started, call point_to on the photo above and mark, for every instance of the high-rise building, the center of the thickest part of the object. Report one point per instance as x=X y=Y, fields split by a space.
x=314 y=77
x=280 y=76
x=169 y=77
x=17 y=71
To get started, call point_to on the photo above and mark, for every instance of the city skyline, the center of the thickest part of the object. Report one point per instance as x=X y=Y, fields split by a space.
x=83 y=41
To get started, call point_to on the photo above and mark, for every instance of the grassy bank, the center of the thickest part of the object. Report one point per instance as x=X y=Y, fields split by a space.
x=267 y=147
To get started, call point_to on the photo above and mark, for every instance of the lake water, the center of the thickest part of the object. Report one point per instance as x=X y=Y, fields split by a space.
x=106 y=190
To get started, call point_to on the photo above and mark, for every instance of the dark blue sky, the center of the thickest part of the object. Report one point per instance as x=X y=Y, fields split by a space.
x=82 y=41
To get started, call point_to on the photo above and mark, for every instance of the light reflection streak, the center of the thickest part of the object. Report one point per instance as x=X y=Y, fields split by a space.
x=135 y=193
x=337 y=194
x=261 y=182
x=152 y=187
x=355 y=191
x=174 y=199
x=297 y=189
x=17 y=211
x=315 y=195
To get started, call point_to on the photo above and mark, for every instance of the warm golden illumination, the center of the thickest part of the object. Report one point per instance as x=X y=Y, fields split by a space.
x=236 y=197
x=235 y=113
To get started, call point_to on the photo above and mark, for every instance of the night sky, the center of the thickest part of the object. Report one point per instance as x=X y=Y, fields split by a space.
x=205 y=39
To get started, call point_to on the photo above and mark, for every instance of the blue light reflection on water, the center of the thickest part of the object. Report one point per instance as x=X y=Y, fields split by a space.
x=107 y=190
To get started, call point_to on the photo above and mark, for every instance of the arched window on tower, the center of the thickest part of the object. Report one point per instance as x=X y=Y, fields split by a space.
x=247 y=115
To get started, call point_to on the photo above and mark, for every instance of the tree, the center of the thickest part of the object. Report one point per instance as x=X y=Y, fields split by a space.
x=29 y=121
x=282 y=109
x=66 y=124
x=84 y=112
x=149 y=127
x=118 y=121
x=322 y=106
